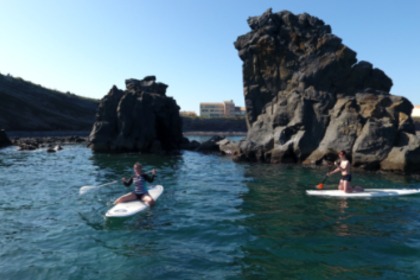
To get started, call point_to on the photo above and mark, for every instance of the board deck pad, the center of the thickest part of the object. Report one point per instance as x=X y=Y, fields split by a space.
x=126 y=209
x=365 y=193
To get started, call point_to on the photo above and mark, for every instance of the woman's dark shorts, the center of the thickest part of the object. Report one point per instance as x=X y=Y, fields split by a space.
x=346 y=177
x=140 y=196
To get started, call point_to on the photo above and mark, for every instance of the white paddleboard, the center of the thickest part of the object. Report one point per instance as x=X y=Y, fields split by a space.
x=130 y=208
x=365 y=193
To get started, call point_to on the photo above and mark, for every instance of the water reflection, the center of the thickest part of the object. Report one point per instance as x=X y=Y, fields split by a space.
x=341 y=227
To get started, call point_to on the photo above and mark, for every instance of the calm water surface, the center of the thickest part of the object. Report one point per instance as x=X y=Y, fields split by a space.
x=215 y=220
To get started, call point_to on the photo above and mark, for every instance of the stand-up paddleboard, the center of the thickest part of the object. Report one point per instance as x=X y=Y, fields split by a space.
x=365 y=193
x=126 y=209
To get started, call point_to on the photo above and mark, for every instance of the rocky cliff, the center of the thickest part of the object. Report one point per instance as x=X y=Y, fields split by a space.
x=139 y=119
x=26 y=106
x=308 y=97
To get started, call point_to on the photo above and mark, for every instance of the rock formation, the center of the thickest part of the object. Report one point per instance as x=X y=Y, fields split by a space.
x=4 y=139
x=308 y=97
x=139 y=119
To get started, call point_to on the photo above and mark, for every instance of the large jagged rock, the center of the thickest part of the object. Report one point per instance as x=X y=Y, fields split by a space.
x=308 y=97
x=140 y=119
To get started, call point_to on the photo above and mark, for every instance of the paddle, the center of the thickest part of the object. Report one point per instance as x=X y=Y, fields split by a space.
x=320 y=186
x=85 y=189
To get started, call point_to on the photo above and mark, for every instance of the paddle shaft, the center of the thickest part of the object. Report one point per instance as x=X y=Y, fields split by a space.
x=106 y=184
x=85 y=189
x=321 y=185
x=109 y=183
x=112 y=182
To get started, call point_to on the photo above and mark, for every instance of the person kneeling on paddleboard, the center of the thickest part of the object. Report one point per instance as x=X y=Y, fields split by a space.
x=343 y=166
x=140 y=191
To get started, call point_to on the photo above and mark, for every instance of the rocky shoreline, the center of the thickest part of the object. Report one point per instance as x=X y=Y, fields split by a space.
x=51 y=140
x=47 y=133
x=52 y=143
x=55 y=140
x=214 y=133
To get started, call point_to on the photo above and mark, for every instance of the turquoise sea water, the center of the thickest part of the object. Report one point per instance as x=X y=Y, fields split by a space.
x=215 y=220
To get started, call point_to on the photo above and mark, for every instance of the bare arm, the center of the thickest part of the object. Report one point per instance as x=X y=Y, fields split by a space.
x=149 y=178
x=128 y=182
x=339 y=167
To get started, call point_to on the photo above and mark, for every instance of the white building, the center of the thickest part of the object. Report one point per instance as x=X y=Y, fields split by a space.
x=220 y=110
x=416 y=111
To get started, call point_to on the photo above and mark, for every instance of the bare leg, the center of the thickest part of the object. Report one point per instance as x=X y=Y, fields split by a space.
x=347 y=187
x=340 y=185
x=147 y=199
x=127 y=197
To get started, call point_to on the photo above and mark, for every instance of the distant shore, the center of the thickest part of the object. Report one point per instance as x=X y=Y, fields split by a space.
x=31 y=140
x=85 y=133
x=52 y=133
x=211 y=133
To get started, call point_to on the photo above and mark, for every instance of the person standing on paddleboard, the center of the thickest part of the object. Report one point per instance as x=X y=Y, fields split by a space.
x=140 y=191
x=343 y=166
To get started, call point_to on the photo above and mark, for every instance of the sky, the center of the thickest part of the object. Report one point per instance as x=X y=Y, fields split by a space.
x=86 y=46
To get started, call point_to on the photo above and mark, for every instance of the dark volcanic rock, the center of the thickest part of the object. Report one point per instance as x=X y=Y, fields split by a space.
x=211 y=145
x=4 y=139
x=308 y=97
x=140 y=119
x=51 y=143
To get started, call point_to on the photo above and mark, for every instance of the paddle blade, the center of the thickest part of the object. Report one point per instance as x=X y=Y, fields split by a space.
x=320 y=186
x=86 y=189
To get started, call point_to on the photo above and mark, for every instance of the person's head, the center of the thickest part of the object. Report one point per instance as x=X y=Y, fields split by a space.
x=137 y=168
x=342 y=154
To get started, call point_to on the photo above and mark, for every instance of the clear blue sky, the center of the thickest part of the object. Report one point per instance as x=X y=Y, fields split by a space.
x=87 y=46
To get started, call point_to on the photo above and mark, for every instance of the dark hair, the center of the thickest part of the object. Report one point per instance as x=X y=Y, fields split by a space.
x=343 y=153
